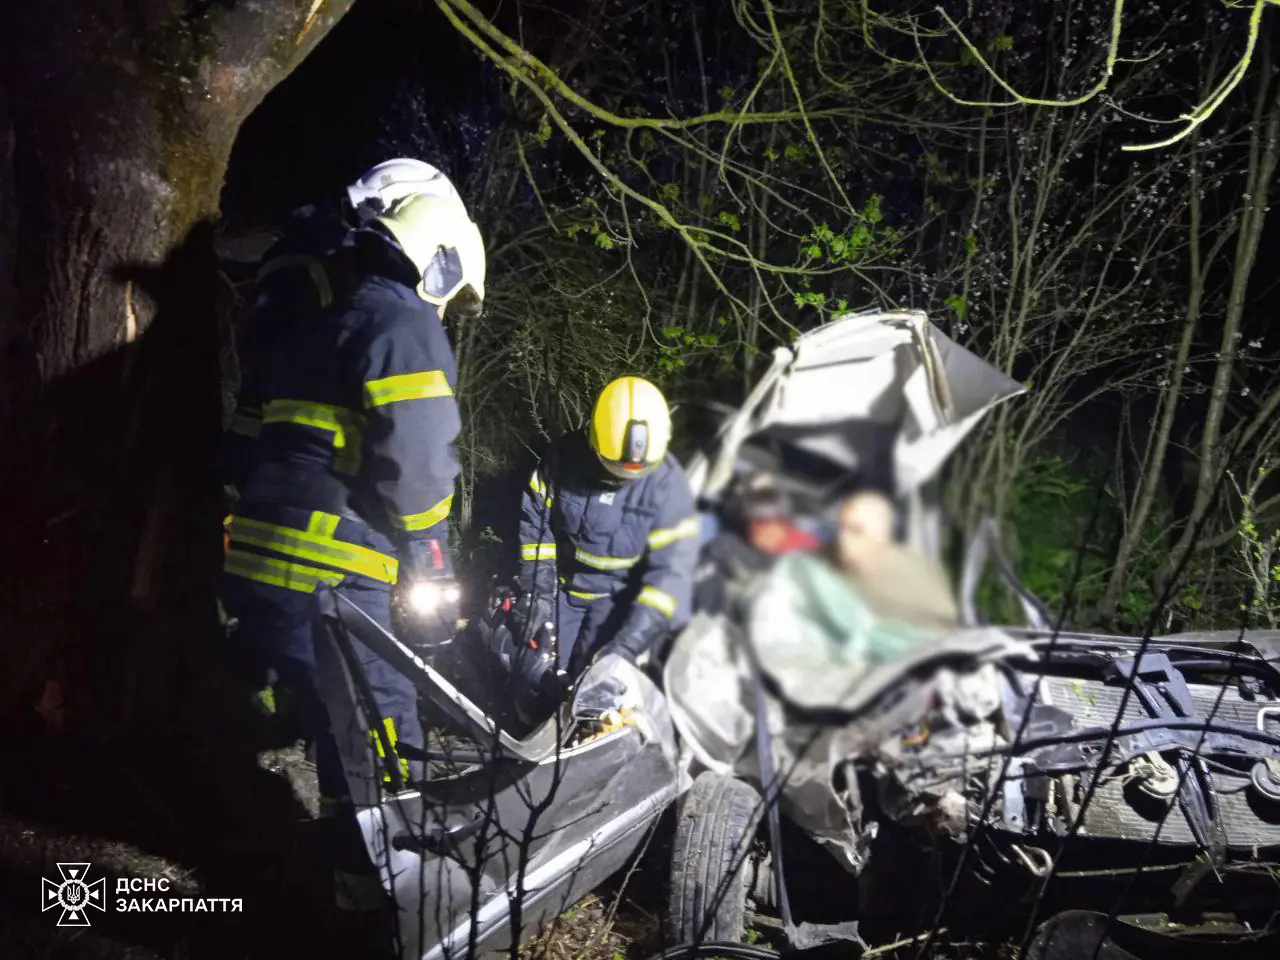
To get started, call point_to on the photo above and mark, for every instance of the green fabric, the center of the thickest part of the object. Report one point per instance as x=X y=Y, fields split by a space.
x=825 y=601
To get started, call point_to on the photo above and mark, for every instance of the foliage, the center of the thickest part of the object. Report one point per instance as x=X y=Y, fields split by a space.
x=1259 y=548
x=677 y=189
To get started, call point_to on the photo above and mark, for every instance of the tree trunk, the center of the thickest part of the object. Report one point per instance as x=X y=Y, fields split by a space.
x=121 y=117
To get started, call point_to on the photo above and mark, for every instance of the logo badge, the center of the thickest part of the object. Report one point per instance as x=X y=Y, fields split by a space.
x=74 y=894
x=607 y=497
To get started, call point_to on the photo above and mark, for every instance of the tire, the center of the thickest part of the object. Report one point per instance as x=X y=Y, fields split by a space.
x=710 y=858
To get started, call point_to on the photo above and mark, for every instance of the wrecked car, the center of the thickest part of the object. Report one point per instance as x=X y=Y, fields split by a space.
x=917 y=767
x=510 y=825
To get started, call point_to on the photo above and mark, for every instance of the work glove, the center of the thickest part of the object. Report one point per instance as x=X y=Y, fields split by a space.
x=632 y=647
x=643 y=628
x=529 y=614
x=429 y=591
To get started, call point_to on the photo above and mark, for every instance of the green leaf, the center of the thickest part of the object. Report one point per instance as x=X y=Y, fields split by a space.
x=543 y=133
x=730 y=220
x=604 y=241
x=1002 y=42
x=956 y=302
x=814 y=250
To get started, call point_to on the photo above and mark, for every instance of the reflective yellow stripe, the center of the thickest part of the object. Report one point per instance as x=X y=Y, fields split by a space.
x=406 y=386
x=666 y=536
x=315 y=547
x=278 y=573
x=390 y=726
x=538 y=551
x=564 y=585
x=324 y=524
x=345 y=424
x=606 y=563
x=428 y=518
x=540 y=488
x=662 y=602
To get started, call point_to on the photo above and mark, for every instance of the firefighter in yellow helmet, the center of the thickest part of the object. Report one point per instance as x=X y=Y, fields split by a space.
x=608 y=535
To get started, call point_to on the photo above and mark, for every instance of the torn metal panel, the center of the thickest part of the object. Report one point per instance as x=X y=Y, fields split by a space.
x=475 y=856
x=891 y=370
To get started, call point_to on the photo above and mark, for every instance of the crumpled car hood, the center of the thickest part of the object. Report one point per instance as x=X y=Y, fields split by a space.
x=886 y=369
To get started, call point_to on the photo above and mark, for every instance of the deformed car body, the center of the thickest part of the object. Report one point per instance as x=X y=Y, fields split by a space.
x=505 y=831
x=978 y=744
x=989 y=759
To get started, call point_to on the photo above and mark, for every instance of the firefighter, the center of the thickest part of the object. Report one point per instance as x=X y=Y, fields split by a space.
x=608 y=535
x=294 y=282
x=352 y=474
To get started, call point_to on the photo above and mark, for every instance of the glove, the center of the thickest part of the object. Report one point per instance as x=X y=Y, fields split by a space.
x=529 y=614
x=630 y=647
x=430 y=590
x=643 y=628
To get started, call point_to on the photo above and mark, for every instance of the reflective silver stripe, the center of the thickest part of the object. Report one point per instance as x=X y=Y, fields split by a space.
x=662 y=602
x=538 y=551
x=665 y=536
x=345 y=424
x=315 y=548
x=606 y=563
x=537 y=486
x=427 y=518
x=278 y=573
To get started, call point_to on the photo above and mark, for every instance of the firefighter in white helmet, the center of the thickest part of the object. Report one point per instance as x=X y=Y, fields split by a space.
x=296 y=278
x=351 y=479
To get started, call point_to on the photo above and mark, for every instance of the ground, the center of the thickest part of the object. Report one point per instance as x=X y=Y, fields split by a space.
x=215 y=827
x=108 y=812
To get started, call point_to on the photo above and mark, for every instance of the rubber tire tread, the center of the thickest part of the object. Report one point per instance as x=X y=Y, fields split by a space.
x=716 y=826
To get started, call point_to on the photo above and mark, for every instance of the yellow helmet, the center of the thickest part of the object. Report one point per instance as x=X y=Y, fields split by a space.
x=438 y=236
x=630 y=427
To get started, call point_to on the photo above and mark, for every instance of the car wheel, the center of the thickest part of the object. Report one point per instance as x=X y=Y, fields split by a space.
x=710 y=875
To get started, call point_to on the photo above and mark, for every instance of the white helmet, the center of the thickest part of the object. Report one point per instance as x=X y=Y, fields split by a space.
x=392 y=180
x=438 y=236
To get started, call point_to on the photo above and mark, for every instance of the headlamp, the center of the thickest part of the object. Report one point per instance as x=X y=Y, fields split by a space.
x=428 y=596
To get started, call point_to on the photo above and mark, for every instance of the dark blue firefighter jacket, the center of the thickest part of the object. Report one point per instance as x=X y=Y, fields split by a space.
x=359 y=420
x=293 y=283
x=633 y=543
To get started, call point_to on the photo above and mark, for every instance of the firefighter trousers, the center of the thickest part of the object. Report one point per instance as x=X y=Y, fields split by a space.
x=283 y=626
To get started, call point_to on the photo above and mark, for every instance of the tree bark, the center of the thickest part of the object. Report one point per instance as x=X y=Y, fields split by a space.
x=120 y=120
